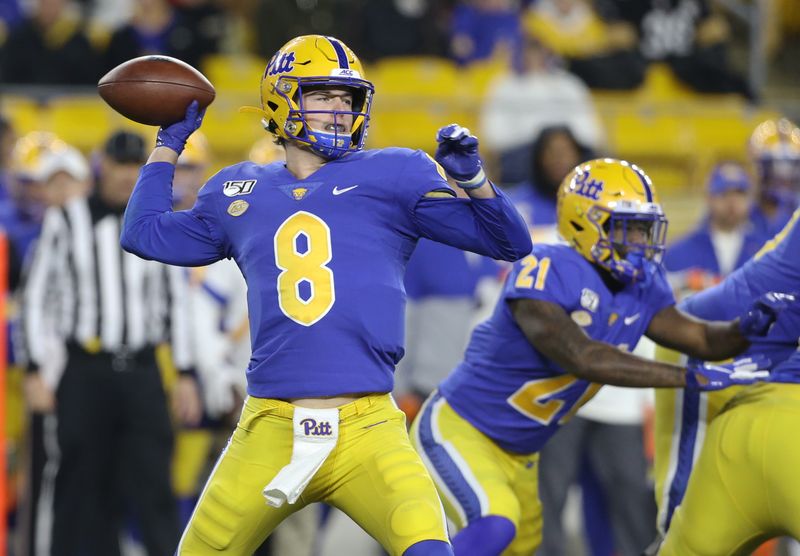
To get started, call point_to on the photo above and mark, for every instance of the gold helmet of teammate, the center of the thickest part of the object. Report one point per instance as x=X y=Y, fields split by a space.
x=608 y=212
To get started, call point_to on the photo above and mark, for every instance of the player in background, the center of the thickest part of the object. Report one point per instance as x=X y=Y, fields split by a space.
x=741 y=490
x=775 y=153
x=322 y=241
x=568 y=315
x=723 y=240
x=682 y=418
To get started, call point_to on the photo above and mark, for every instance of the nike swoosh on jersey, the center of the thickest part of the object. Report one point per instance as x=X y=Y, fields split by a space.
x=631 y=320
x=337 y=191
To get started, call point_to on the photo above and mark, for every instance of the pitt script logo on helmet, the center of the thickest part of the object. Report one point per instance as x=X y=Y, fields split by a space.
x=609 y=213
x=307 y=62
x=775 y=150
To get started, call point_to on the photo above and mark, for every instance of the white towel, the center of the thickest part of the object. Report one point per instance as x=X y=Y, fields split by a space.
x=315 y=434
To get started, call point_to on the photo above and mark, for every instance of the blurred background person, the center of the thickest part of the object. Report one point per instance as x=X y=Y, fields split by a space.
x=158 y=27
x=113 y=429
x=775 y=154
x=50 y=47
x=486 y=29
x=603 y=54
x=537 y=170
x=520 y=104
x=725 y=238
x=690 y=36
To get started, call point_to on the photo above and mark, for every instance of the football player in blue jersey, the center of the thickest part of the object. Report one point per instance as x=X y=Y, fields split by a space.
x=775 y=153
x=564 y=326
x=686 y=426
x=322 y=241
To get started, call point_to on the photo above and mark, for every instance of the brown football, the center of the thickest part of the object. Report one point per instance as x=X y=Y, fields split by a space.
x=155 y=90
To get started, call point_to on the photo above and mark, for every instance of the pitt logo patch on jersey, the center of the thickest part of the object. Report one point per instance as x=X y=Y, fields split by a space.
x=312 y=428
x=612 y=319
x=237 y=208
x=589 y=300
x=299 y=192
x=238 y=187
x=581 y=318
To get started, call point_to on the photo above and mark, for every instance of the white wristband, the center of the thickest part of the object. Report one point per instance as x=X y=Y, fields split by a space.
x=474 y=183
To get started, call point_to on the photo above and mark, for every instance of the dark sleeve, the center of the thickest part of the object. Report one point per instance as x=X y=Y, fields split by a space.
x=490 y=227
x=153 y=231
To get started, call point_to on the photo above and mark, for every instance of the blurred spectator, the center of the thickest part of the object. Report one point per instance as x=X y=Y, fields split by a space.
x=723 y=241
x=7 y=139
x=542 y=165
x=21 y=214
x=49 y=47
x=686 y=34
x=111 y=309
x=775 y=153
x=603 y=55
x=158 y=28
x=484 y=29
x=10 y=16
x=110 y=14
x=400 y=28
x=278 y=21
x=520 y=104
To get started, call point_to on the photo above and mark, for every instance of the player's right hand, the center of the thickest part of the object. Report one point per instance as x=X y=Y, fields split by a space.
x=175 y=135
x=716 y=376
x=764 y=311
x=458 y=154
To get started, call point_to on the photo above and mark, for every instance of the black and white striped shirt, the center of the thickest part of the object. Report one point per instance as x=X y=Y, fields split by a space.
x=83 y=288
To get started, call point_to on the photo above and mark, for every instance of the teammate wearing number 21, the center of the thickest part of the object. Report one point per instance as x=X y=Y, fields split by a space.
x=568 y=317
x=322 y=242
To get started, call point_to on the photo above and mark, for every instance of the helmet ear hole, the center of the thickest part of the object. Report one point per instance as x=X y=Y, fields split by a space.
x=577 y=227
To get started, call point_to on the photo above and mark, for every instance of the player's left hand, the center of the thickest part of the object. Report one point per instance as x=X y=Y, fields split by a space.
x=175 y=136
x=764 y=311
x=458 y=154
x=716 y=376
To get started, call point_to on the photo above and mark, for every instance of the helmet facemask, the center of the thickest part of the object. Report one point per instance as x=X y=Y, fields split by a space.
x=629 y=235
x=330 y=145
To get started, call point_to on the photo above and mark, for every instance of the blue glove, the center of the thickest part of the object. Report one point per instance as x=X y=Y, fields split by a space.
x=458 y=154
x=714 y=376
x=763 y=313
x=176 y=135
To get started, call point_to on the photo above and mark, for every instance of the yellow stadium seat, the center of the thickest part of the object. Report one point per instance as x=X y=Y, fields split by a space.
x=414 y=97
x=234 y=74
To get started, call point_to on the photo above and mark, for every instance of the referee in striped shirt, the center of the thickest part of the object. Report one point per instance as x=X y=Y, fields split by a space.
x=109 y=309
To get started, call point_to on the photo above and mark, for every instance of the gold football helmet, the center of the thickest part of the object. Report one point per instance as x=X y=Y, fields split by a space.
x=775 y=150
x=307 y=62
x=608 y=212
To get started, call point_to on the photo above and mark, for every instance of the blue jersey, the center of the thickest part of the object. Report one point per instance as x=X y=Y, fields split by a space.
x=461 y=270
x=776 y=267
x=323 y=257
x=510 y=391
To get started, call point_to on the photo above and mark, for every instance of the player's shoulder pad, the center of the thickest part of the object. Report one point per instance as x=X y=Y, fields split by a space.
x=242 y=171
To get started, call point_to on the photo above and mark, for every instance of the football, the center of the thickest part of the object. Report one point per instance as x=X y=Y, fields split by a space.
x=155 y=90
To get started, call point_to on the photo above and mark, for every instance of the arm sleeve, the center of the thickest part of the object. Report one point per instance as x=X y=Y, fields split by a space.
x=490 y=227
x=153 y=231
x=42 y=279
